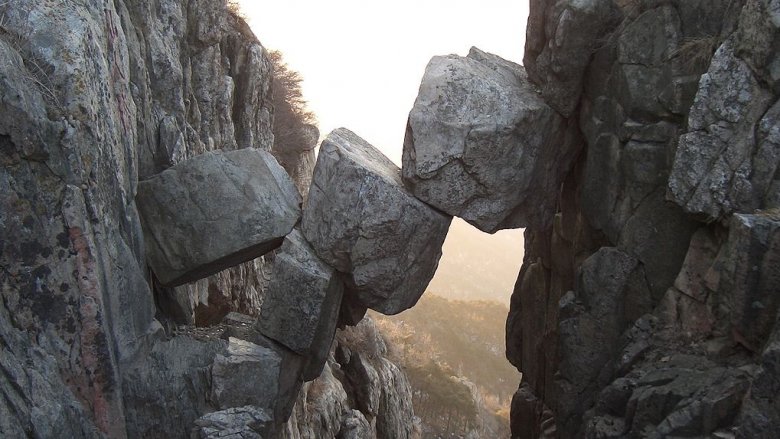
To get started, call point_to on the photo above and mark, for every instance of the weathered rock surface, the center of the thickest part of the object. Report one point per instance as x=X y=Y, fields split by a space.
x=680 y=395
x=748 y=276
x=724 y=164
x=94 y=95
x=555 y=62
x=360 y=219
x=173 y=378
x=481 y=144
x=214 y=211
x=360 y=393
x=301 y=307
x=670 y=346
x=611 y=291
x=245 y=362
x=236 y=423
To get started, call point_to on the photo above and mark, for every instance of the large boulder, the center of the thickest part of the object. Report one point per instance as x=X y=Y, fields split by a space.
x=306 y=291
x=361 y=220
x=482 y=144
x=214 y=211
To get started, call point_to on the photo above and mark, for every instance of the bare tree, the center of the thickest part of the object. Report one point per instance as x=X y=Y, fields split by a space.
x=295 y=129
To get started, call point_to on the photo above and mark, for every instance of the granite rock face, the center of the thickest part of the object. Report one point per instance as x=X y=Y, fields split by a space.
x=240 y=423
x=93 y=97
x=556 y=62
x=611 y=291
x=173 y=378
x=302 y=305
x=245 y=362
x=360 y=394
x=724 y=164
x=635 y=313
x=646 y=174
x=215 y=211
x=360 y=219
x=748 y=273
x=481 y=144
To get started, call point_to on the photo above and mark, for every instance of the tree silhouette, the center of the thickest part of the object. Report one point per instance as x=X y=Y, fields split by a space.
x=294 y=127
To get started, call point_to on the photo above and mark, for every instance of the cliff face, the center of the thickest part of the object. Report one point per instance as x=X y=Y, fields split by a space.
x=97 y=95
x=94 y=97
x=649 y=308
x=641 y=143
x=360 y=394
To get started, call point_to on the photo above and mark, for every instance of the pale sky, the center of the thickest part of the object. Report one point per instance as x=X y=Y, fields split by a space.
x=362 y=62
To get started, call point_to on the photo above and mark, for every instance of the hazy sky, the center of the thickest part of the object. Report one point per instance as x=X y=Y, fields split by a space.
x=362 y=62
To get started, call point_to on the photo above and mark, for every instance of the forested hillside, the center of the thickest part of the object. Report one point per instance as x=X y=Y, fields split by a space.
x=478 y=266
x=453 y=353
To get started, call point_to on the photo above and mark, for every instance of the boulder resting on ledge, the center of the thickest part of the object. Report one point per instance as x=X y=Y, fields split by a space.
x=214 y=211
x=482 y=144
x=361 y=220
x=301 y=306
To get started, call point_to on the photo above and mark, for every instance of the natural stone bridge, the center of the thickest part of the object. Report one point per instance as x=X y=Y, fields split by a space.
x=481 y=144
x=647 y=304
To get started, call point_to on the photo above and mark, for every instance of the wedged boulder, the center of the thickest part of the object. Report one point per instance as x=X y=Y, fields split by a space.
x=214 y=211
x=301 y=305
x=482 y=144
x=361 y=220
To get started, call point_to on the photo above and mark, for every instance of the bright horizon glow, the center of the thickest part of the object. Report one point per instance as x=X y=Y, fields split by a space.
x=362 y=62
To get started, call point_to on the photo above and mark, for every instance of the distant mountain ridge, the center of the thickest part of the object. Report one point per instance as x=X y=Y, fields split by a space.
x=451 y=349
x=478 y=266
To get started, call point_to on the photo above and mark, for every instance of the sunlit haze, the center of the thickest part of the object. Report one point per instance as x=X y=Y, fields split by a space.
x=362 y=63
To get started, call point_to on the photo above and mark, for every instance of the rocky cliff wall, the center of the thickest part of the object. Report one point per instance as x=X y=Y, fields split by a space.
x=360 y=394
x=94 y=97
x=641 y=145
x=649 y=307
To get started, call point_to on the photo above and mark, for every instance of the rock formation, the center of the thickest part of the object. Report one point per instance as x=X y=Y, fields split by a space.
x=360 y=394
x=301 y=307
x=215 y=211
x=635 y=313
x=640 y=149
x=105 y=109
x=361 y=219
x=481 y=143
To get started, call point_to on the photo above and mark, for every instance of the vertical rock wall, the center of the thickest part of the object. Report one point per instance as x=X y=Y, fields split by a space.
x=95 y=96
x=635 y=314
x=647 y=304
x=360 y=394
